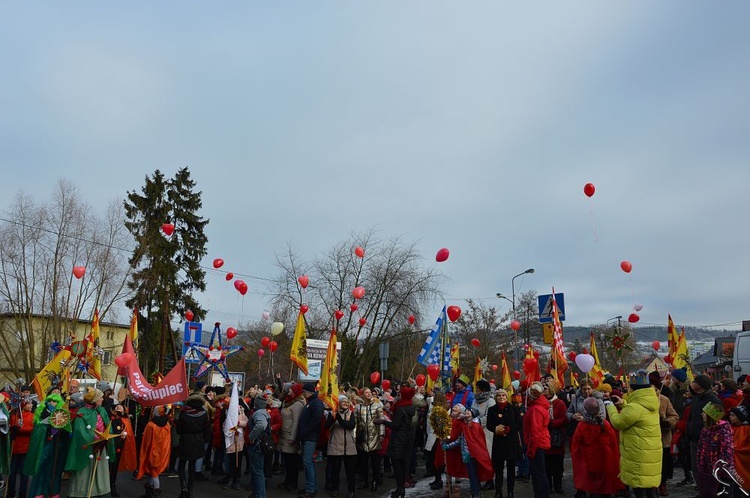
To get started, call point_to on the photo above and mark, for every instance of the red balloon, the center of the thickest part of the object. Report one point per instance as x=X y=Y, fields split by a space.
x=273 y=346
x=79 y=271
x=412 y=319
x=358 y=292
x=516 y=374
x=589 y=189
x=529 y=363
x=229 y=276
x=626 y=266
x=231 y=333
x=218 y=263
x=433 y=371
x=595 y=381
x=421 y=380
x=656 y=345
x=585 y=351
x=168 y=229
x=360 y=252
x=515 y=325
x=354 y=307
x=189 y=316
x=524 y=384
x=362 y=322
x=494 y=368
x=265 y=341
x=536 y=354
x=261 y=352
x=124 y=359
x=668 y=360
x=303 y=280
x=453 y=313
x=375 y=377
x=442 y=255
x=339 y=315
x=572 y=356
x=243 y=288
x=304 y=309
x=475 y=342
x=386 y=384
x=633 y=318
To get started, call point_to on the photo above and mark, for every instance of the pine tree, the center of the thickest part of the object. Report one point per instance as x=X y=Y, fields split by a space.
x=167 y=268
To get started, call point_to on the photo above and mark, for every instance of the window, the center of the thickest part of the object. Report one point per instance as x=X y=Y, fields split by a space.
x=107 y=358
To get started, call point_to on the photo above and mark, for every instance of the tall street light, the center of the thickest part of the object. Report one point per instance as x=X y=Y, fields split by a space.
x=513 y=302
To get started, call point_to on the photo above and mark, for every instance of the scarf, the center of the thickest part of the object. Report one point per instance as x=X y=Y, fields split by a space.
x=597 y=419
x=481 y=397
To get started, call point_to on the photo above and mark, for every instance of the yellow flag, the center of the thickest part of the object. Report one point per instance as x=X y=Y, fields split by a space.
x=573 y=380
x=134 y=327
x=597 y=370
x=681 y=357
x=298 y=353
x=507 y=383
x=52 y=372
x=672 y=337
x=329 y=381
x=95 y=360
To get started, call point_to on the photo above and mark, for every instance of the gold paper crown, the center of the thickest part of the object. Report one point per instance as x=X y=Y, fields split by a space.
x=714 y=411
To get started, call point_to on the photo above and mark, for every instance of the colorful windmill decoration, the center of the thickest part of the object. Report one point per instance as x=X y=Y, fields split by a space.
x=214 y=355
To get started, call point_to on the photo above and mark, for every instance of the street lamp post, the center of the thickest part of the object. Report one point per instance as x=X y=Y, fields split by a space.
x=513 y=302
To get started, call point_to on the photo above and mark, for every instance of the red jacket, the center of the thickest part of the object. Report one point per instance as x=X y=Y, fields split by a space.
x=23 y=434
x=596 y=459
x=535 y=424
x=558 y=422
x=473 y=434
x=275 y=423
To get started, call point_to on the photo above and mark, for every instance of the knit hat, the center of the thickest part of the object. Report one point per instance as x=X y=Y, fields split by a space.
x=616 y=392
x=501 y=391
x=483 y=385
x=604 y=388
x=714 y=410
x=536 y=389
x=679 y=374
x=260 y=402
x=654 y=378
x=309 y=387
x=343 y=397
x=704 y=381
x=296 y=390
x=461 y=408
x=92 y=395
x=104 y=386
x=591 y=405
x=741 y=413
x=407 y=393
x=639 y=380
x=553 y=386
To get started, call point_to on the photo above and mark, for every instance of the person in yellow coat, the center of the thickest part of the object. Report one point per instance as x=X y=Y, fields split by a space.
x=155 y=448
x=640 y=436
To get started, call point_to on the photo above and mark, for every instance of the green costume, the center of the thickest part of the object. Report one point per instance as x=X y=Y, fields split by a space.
x=48 y=447
x=4 y=440
x=87 y=458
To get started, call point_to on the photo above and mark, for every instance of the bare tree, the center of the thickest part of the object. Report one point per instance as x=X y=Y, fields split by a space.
x=492 y=330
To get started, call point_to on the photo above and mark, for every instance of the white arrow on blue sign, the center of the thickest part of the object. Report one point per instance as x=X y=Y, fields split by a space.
x=545 y=307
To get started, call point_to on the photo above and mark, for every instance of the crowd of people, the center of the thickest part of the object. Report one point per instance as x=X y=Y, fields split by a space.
x=624 y=438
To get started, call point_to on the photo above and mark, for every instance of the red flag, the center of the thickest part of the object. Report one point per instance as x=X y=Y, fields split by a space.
x=558 y=350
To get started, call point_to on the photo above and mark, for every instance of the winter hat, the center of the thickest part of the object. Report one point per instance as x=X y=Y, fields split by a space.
x=260 y=402
x=679 y=374
x=104 y=386
x=654 y=378
x=474 y=412
x=741 y=413
x=616 y=392
x=591 y=405
x=703 y=381
x=536 y=389
x=407 y=393
x=483 y=385
x=92 y=395
x=639 y=380
x=296 y=390
x=308 y=387
x=604 y=388
x=461 y=408
x=343 y=397
x=501 y=391
x=553 y=386
x=714 y=410
x=463 y=380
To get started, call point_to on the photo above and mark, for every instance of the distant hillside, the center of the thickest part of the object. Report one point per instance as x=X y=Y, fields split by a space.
x=651 y=333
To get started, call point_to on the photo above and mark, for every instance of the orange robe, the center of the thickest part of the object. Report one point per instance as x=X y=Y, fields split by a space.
x=155 y=448
x=128 y=457
x=741 y=435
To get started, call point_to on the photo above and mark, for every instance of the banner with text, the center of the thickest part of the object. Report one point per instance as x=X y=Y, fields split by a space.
x=316 y=355
x=171 y=389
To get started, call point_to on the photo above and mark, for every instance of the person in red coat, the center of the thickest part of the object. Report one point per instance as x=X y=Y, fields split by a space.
x=558 y=420
x=537 y=438
x=21 y=426
x=467 y=453
x=595 y=453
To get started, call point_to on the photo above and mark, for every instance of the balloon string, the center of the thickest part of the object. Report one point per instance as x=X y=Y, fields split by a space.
x=593 y=225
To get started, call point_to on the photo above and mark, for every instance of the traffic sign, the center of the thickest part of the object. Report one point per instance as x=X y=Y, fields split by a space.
x=545 y=307
x=191 y=336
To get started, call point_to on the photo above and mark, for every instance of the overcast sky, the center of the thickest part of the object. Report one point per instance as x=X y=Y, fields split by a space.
x=467 y=125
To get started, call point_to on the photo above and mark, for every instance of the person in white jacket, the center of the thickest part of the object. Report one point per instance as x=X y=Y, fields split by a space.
x=483 y=400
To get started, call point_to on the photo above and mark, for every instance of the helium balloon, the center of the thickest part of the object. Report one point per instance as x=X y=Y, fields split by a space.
x=589 y=189
x=266 y=315
x=453 y=313
x=516 y=384
x=304 y=309
x=339 y=315
x=354 y=307
x=421 y=380
x=273 y=346
x=168 y=229
x=386 y=384
x=261 y=352
x=638 y=307
x=633 y=318
x=515 y=325
x=595 y=381
x=303 y=280
x=442 y=255
x=276 y=328
x=242 y=288
x=218 y=263
x=124 y=359
x=358 y=292
x=189 y=316
x=530 y=363
x=516 y=374
x=585 y=362
x=475 y=342
x=362 y=322
x=433 y=371
x=524 y=384
x=265 y=341
x=375 y=377
x=360 y=252
x=494 y=368
x=668 y=360
x=626 y=266
x=572 y=356
x=229 y=276
x=656 y=345
x=231 y=333
x=79 y=271
x=411 y=319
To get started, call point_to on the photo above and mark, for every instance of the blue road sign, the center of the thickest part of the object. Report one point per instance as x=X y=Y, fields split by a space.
x=192 y=335
x=545 y=307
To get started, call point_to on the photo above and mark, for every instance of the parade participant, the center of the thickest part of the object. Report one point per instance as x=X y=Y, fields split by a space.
x=234 y=443
x=504 y=422
x=668 y=418
x=156 y=445
x=522 y=463
x=274 y=461
x=558 y=420
x=715 y=443
x=48 y=447
x=125 y=454
x=194 y=428
x=294 y=403
x=308 y=432
x=260 y=423
x=463 y=393
x=90 y=448
x=21 y=425
x=596 y=458
x=702 y=395
x=537 y=439
x=576 y=411
x=5 y=455
x=482 y=402
x=739 y=419
x=470 y=449
x=728 y=394
x=403 y=427
x=640 y=436
x=369 y=439
x=342 y=447
x=435 y=459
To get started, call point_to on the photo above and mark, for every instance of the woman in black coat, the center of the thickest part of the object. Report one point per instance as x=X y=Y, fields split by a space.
x=194 y=429
x=504 y=421
x=403 y=433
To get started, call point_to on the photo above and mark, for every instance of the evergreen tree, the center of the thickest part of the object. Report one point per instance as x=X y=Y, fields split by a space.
x=167 y=268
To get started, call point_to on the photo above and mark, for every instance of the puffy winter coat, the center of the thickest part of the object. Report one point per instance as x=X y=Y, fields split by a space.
x=667 y=419
x=194 y=429
x=341 y=441
x=289 y=420
x=369 y=435
x=535 y=424
x=640 y=438
x=403 y=429
x=308 y=428
x=508 y=445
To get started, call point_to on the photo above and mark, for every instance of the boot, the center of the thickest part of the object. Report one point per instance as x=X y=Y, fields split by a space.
x=436 y=484
x=499 y=493
x=374 y=486
x=231 y=484
x=149 y=491
x=511 y=495
x=398 y=493
x=156 y=492
x=112 y=488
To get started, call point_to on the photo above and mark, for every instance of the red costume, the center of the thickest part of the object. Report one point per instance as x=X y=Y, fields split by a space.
x=473 y=434
x=128 y=458
x=596 y=459
x=535 y=432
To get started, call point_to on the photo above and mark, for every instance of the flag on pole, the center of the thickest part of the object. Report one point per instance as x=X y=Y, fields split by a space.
x=560 y=364
x=134 y=327
x=329 y=381
x=681 y=356
x=672 y=337
x=434 y=339
x=506 y=381
x=573 y=380
x=597 y=371
x=93 y=356
x=232 y=429
x=51 y=373
x=531 y=369
x=478 y=370
x=298 y=353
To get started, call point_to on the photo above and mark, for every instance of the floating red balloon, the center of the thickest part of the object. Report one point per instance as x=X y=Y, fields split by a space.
x=453 y=313
x=241 y=286
x=633 y=318
x=524 y=384
x=515 y=325
x=421 y=380
x=626 y=266
x=189 y=316
x=304 y=309
x=572 y=356
x=303 y=280
x=265 y=341
x=339 y=315
x=589 y=189
x=433 y=371
x=273 y=346
x=442 y=255
x=516 y=374
x=375 y=377
x=79 y=271
x=229 y=276
x=668 y=360
x=168 y=229
x=358 y=292
x=362 y=322
x=124 y=359
x=529 y=363
x=354 y=307
x=475 y=342
x=411 y=319
x=261 y=352
x=386 y=384
x=656 y=345
x=595 y=381
x=218 y=263
x=231 y=333
x=359 y=251
x=494 y=368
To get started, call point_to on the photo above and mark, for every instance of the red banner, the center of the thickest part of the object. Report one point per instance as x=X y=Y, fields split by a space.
x=171 y=389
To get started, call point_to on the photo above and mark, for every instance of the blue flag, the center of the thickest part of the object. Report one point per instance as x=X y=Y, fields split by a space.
x=430 y=353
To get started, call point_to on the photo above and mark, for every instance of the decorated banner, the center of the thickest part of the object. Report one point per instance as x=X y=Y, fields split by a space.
x=172 y=388
x=51 y=374
x=317 y=351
